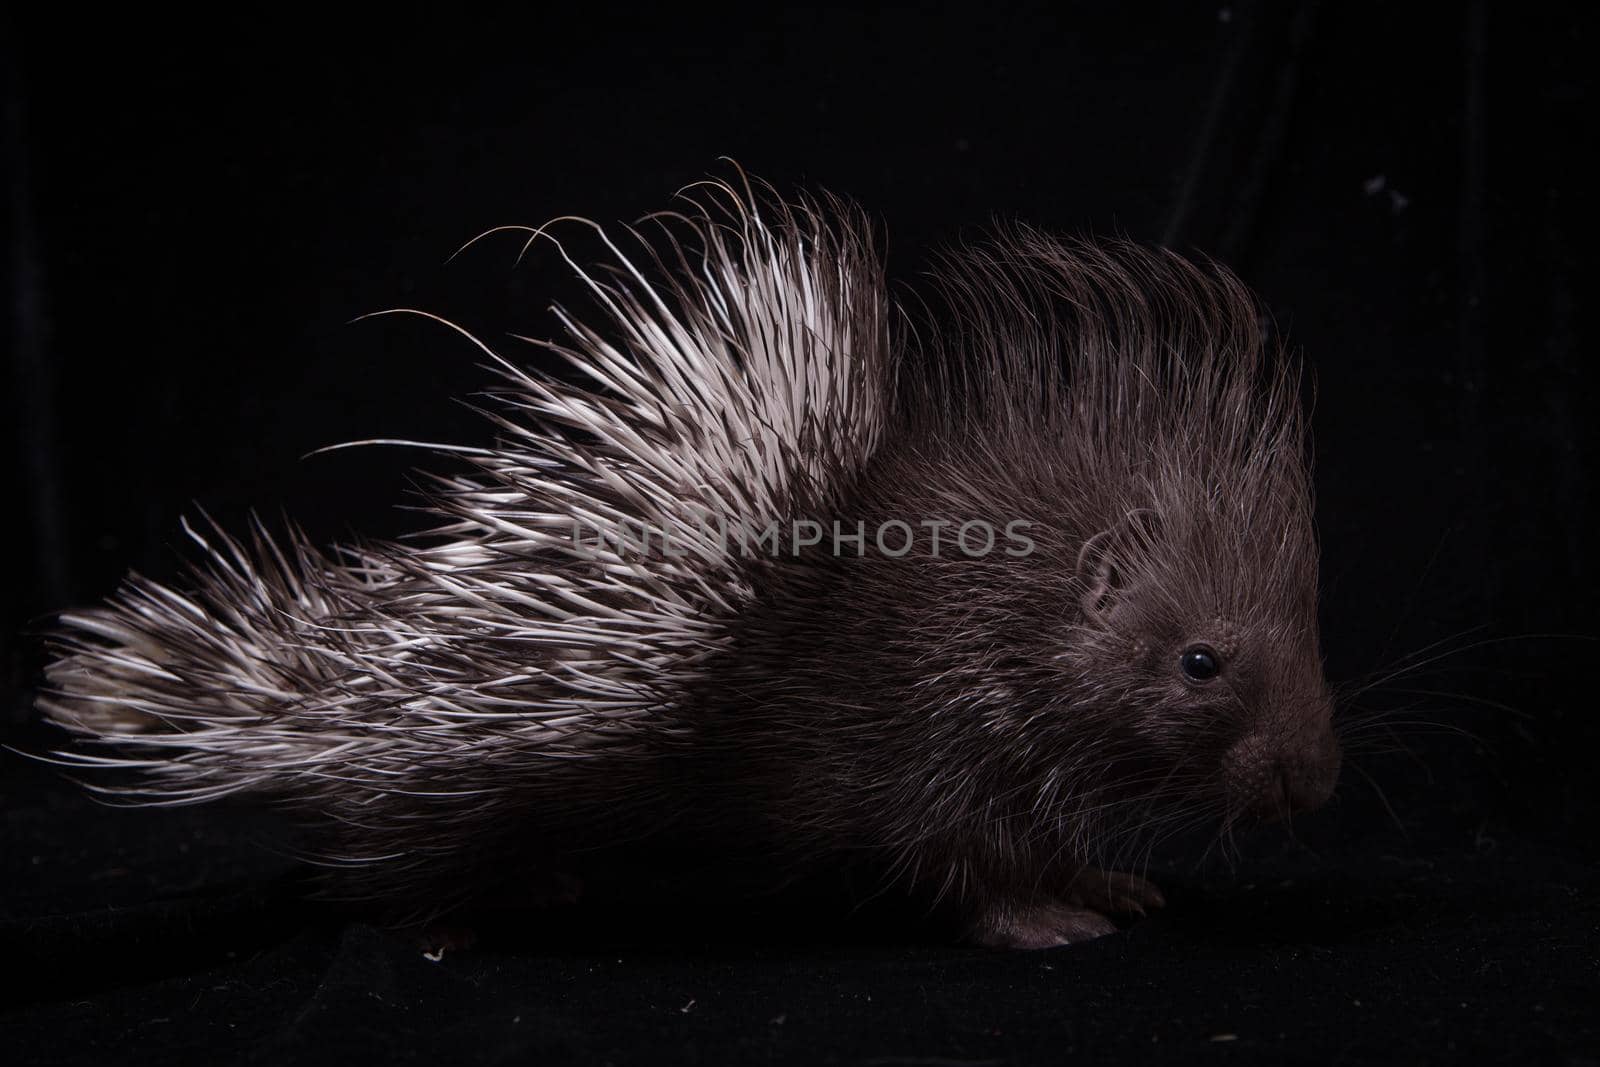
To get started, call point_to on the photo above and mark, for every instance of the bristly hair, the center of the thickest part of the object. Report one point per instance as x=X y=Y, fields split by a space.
x=419 y=701
x=1148 y=376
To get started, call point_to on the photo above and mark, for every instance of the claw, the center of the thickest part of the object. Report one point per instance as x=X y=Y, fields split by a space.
x=1114 y=892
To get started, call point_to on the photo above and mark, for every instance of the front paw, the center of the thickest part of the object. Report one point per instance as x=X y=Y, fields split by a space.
x=1113 y=893
x=1038 y=924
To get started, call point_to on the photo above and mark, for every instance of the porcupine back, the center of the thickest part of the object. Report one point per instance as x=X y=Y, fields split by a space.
x=416 y=703
x=419 y=703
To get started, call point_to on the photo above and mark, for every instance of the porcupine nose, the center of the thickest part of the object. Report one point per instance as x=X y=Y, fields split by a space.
x=1275 y=778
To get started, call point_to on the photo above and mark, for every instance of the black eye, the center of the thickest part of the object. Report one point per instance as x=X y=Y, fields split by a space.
x=1199 y=664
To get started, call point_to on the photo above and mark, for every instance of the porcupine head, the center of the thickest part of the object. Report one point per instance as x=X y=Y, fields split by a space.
x=994 y=594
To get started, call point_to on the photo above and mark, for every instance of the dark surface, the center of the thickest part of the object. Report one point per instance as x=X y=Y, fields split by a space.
x=193 y=219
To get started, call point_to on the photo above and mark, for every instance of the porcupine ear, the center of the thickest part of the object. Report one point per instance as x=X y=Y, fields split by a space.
x=1105 y=561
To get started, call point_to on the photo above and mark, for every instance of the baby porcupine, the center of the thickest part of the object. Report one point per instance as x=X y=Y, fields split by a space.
x=986 y=602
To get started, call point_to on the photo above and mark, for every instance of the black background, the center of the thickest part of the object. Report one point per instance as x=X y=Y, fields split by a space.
x=196 y=209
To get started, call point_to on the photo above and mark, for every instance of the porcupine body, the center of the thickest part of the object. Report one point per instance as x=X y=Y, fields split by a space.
x=801 y=648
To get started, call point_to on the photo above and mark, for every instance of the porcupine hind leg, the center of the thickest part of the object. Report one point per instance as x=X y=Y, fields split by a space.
x=531 y=892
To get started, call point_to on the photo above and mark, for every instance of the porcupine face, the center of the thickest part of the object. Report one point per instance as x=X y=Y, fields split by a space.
x=1204 y=640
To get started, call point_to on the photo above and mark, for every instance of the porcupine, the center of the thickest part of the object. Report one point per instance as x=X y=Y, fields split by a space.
x=993 y=730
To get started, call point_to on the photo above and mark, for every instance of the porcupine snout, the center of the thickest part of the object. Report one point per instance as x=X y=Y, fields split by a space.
x=1276 y=773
